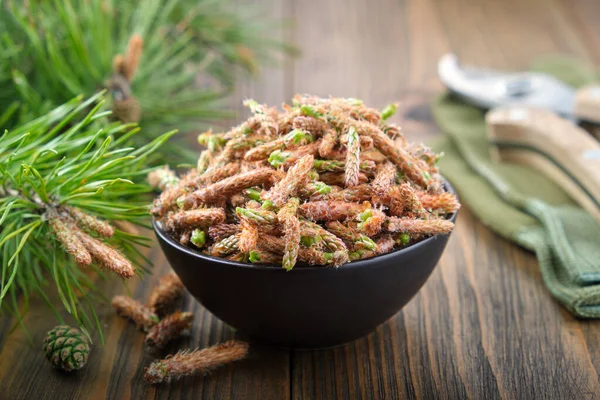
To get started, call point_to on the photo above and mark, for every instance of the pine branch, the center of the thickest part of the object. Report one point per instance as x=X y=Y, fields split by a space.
x=149 y=53
x=64 y=177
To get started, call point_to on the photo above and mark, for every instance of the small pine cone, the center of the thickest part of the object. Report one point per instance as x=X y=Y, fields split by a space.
x=88 y=222
x=221 y=231
x=426 y=227
x=445 y=203
x=327 y=143
x=142 y=316
x=198 y=361
x=169 y=328
x=295 y=177
x=332 y=210
x=127 y=110
x=66 y=348
x=352 y=169
x=164 y=296
x=191 y=219
x=227 y=187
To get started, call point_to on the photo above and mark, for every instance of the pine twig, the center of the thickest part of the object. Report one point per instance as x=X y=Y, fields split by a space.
x=197 y=361
x=169 y=328
x=163 y=297
x=291 y=228
x=429 y=227
x=139 y=314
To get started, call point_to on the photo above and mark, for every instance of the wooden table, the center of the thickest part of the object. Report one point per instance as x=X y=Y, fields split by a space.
x=483 y=326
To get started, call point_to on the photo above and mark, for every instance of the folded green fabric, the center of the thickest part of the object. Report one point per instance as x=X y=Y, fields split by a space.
x=521 y=204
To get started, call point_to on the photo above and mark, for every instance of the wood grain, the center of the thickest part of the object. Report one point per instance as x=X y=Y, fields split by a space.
x=483 y=327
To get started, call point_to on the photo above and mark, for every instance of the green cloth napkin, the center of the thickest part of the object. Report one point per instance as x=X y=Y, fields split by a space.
x=521 y=204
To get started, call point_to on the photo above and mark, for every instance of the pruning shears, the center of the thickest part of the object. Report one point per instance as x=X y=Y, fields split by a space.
x=533 y=120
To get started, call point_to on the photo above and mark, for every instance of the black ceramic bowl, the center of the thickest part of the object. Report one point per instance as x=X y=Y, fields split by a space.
x=306 y=307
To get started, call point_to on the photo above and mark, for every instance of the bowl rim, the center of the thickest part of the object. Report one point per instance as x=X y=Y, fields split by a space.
x=265 y=267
